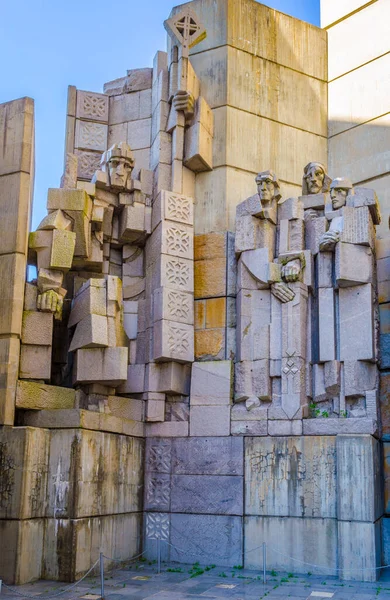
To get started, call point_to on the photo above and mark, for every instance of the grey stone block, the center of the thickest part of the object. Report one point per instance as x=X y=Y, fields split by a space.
x=208 y=456
x=284 y=427
x=249 y=428
x=312 y=541
x=293 y=476
x=359 y=550
x=356 y=323
x=210 y=494
x=207 y=538
x=359 y=494
x=337 y=426
x=157 y=491
x=158 y=455
x=209 y=420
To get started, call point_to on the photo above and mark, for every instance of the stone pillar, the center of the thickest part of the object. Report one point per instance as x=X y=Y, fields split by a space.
x=16 y=185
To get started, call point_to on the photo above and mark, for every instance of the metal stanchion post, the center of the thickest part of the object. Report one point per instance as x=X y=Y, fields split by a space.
x=158 y=555
x=264 y=562
x=102 y=575
x=0 y=585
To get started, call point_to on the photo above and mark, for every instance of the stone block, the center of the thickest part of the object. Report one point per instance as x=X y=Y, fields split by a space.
x=132 y=223
x=284 y=428
x=21 y=557
x=384 y=399
x=314 y=230
x=211 y=383
x=90 y=332
x=359 y=377
x=252 y=233
x=80 y=540
x=384 y=354
x=252 y=378
x=174 y=272
x=75 y=458
x=15 y=207
x=356 y=323
x=35 y=362
x=290 y=476
x=210 y=494
x=90 y=105
x=126 y=408
x=385 y=534
x=359 y=550
x=332 y=377
x=203 y=456
x=359 y=495
x=207 y=538
x=353 y=264
x=258 y=264
x=324 y=269
x=9 y=371
x=171 y=378
x=198 y=149
x=173 y=305
x=138 y=133
x=210 y=344
x=158 y=455
x=173 y=341
x=167 y=429
x=24 y=472
x=39 y=396
x=157 y=492
x=91 y=299
x=331 y=426
x=209 y=421
x=30 y=297
x=173 y=207
x=101 y=365
x=130 y=324
x=253 y=320
x=215 y=313
x=12 y=271
x=37 y=328
x=155 y=410
x=258 y=428
x=326 y=313
x=91 y=136
x=312 y=541
x=17 y=131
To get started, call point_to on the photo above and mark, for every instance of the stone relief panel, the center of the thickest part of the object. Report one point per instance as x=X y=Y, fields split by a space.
x=92 y=106
x=157 y=526
x=91 y=136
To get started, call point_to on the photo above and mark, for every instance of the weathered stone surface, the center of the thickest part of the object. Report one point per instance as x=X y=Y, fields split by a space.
x=207 y=538
x=35 y=362
x=157 y=492
x=207 y=456
x=326 y=313
x=359 y=550
x=24 y=456
x=353 y=264
x=21 y=557
x=80 y=461
x=70 y=545
x=173 y=340
x=9 y=372
x=384 y=399
x=359 y=494
x=252 y=378
x=90 y=332
x=101 y=365
x=312 y=541
x=90 y=299
x=126 y=408
x=337 y=426
x=210 y=344
x=359 y=377
x=12 y=271
x=221 y=495
x=249 y=428
x=284 y=427
x=84 y=419
x=209 y=420
x=356 y=323
x=293 y=476
x=158 y=455
x=39 y=396
x=211 y=383
x=167 y=429
x=17 y=134
x=134 y=383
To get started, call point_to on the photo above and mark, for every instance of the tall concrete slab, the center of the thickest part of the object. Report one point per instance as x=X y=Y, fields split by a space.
x=16 y=187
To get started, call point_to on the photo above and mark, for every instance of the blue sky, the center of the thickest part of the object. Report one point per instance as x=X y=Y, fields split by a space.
x=46 y=45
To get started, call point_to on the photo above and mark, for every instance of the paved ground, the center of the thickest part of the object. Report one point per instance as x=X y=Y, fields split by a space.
x=140 y=581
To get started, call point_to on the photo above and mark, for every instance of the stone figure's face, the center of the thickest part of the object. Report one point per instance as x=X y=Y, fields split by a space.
x=339 y=197
x=266 y=189
x=315 y=179
x=120 y=170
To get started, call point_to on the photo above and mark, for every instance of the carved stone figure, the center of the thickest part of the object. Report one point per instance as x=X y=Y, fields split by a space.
x=315 y=180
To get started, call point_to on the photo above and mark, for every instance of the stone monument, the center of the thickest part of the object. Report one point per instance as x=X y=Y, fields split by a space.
x=186 y=338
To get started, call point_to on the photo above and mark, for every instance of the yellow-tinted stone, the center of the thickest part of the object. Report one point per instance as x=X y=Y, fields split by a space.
x=209 y=246
x=209 y=343
x=210 y=278
x=200 y=314
x=215 y=313
x=69 y=200
x=39 y=396
x=62 y=250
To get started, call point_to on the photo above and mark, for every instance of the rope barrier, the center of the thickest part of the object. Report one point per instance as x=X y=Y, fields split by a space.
x=64 y=591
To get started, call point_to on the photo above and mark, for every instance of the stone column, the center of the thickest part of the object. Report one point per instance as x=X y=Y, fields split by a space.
x=16 y=185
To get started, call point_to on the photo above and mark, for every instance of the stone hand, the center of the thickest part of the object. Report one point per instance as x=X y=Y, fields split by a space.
x=282 y=292
x=51 y=301
x=329 y=240
x=291 y=271
x=184 y=101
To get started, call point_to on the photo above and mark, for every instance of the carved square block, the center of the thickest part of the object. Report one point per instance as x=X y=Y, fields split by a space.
x=157 y=491
x=158 y=455
x=88 y=163
x=92 y=106
x=175 y=239
x=173 y=305
x=176 y=273
x=173 y=207
x=173 y=341
x=157 y=526
x=91 y=136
